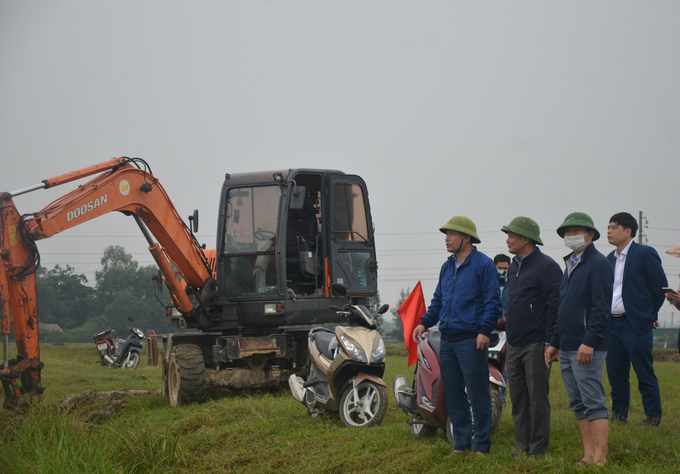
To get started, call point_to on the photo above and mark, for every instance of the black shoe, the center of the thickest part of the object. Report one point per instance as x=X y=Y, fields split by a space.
x=652 y=422
x=620 y=418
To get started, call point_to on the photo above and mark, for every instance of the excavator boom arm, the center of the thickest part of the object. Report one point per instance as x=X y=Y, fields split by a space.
x=131 y=191
x=121 y=185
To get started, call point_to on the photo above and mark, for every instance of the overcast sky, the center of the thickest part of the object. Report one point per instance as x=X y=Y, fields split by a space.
x=485 y=109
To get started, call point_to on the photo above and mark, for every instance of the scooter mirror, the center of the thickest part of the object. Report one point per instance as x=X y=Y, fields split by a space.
x=383 y=309
x=130 y=318
x=339 y=289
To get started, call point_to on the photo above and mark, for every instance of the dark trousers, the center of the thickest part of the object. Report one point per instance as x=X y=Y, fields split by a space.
x=529 y=381
x=627 y=347
x=462 y=365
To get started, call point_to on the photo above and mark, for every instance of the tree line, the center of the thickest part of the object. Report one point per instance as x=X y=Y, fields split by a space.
x=121 y=288
x=394 y=331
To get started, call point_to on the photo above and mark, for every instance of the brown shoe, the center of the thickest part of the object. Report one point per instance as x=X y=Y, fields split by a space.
x=454 y=453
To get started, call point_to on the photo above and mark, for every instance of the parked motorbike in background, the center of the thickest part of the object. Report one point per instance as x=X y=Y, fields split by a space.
x=345 y=368
x=125 y=353
x=423 y=401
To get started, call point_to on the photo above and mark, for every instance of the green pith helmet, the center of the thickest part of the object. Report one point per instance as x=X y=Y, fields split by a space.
x=578 y=219
x=463 y=225
x=526 y=227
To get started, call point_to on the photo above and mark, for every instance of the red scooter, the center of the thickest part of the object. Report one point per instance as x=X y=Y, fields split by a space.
x=423 y=401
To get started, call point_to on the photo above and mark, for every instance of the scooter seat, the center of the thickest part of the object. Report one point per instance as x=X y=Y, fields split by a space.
x=435 y=340
x=322 y=341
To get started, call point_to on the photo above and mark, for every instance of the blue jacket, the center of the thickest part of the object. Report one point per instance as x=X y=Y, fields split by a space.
x=643 y=280
x=584 y=315
x=531 y=310
x=466 y=302
x=504 y=295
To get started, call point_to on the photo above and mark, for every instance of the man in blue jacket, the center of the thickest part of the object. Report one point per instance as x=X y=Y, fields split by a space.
x=530 y=317
x=581 y=337
x=467 y=306
x=502 y=263
x=638 y=295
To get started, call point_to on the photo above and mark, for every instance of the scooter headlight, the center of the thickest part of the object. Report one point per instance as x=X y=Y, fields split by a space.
x=357 y=354
x=378 y=355
x=138 y=333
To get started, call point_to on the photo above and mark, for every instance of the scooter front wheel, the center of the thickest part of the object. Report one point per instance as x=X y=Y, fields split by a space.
x=496 y=407
x=370 y=407
x=131 y=361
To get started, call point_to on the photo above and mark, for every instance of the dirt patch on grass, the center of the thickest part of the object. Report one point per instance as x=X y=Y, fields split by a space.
x=666 y=355
x=96 y=407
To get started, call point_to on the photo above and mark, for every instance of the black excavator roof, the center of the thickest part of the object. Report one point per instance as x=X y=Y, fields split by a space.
x=272 y=176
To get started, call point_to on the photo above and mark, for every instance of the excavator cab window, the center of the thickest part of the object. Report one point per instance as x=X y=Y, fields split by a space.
x=250 y=240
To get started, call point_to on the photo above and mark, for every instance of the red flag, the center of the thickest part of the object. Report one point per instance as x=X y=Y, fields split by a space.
x=410 y=312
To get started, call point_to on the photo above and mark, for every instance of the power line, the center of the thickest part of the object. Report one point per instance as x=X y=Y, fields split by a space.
x=664 y=228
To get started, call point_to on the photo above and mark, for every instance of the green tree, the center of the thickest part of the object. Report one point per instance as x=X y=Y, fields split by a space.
x=398 y=332
x=667 y=341
x=64 y=297
x=125 y=290
x=114 y=257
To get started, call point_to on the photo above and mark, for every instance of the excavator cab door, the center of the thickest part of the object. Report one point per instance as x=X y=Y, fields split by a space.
x=352 y=258
x=250 y=241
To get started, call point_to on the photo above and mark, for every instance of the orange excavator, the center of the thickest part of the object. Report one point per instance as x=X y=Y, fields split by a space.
x=284 y=240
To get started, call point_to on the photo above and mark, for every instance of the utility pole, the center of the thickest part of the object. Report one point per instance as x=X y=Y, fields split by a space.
x=642 y=219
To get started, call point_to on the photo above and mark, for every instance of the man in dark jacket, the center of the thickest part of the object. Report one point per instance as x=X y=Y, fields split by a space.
x=638 y=295
x=581 y=337
x=467 y=306
x=530 y=313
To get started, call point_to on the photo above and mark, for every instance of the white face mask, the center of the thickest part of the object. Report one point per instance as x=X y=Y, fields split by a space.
x=575 y=242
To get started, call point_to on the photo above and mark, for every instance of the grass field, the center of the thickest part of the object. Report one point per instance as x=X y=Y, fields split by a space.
x=271 y=432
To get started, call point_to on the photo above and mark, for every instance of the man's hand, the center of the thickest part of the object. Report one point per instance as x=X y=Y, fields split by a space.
x=551 y=354
x=418 y=332
x=482 y=342
x=584 y=355
x=674 y=297
x=655 y=325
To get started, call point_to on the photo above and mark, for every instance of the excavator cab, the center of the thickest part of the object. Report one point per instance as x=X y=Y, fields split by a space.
x=284 y=237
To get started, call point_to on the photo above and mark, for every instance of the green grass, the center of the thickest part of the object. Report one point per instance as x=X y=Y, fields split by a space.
x=270 y=432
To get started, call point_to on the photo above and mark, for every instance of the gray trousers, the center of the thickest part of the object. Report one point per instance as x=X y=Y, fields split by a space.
x=529 y=385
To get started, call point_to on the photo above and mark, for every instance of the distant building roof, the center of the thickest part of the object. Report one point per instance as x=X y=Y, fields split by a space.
x=50 y=327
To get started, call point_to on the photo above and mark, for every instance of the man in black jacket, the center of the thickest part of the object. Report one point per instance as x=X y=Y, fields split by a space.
x=531 y=314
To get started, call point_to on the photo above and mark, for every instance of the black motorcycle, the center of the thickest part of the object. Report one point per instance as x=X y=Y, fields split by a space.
x=125 y=353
